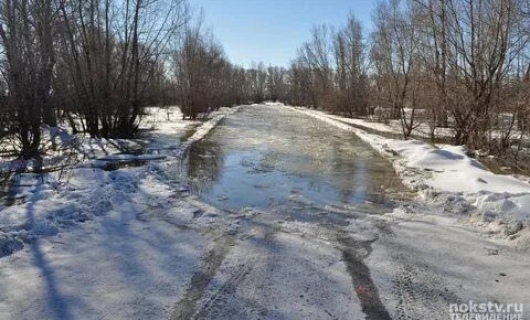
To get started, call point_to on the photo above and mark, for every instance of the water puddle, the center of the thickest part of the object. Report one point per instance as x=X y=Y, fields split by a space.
x=168 y=145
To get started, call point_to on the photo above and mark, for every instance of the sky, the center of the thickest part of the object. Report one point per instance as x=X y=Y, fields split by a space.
x=271 y=30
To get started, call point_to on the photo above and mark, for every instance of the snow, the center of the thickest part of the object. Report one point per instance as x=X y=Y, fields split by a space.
x=430 y=262
x=165 y=125
x=445 y=174
x=420 y=129
x=204 y=129
x=113 y=268
x=129 y=157
x=99 y=248
x=452 y=170
x=309 y=281
x=84 y=191
x=83 y=242
x=365 y=123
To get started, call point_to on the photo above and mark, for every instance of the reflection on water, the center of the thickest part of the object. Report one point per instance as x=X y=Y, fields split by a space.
x=266 y=156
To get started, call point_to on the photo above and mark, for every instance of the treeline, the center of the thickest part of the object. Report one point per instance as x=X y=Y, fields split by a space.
x=459 y=64
x=205 y=80
x=330 y=71
x=93 y=63
x=96 y=65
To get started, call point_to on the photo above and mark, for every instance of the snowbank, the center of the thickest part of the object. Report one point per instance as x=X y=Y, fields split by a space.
x=449 y=168
x=205 y=128
x=82 y=191
x=499 y=204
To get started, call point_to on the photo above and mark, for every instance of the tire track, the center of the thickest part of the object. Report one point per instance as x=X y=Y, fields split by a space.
x=419 y=294
x=354 y=252
x=216 y=306
x=186 y=308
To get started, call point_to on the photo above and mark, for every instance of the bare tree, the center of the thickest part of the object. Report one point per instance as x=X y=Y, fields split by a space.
x=257 y=78
x=113 y=54
x=395 y=54
x=26 y=33
x=205 y=78
x=317 y=56
x=275 y=83
x=351 y=78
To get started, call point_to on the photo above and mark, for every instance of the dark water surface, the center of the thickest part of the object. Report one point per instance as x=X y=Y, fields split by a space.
x=263 y=156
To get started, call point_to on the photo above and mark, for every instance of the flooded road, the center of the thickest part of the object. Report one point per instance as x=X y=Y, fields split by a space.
x=305 y=221
x=304 y=200
x=263 y=156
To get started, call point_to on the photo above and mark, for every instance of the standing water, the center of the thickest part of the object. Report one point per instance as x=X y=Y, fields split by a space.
x=264 y=155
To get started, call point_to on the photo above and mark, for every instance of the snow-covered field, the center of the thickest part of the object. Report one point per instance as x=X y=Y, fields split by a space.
x=82 y=190
x=421 y=127
x=83 y=249
x=446 y=175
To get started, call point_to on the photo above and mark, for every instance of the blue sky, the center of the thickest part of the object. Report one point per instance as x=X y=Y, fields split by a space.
x=271 y=30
